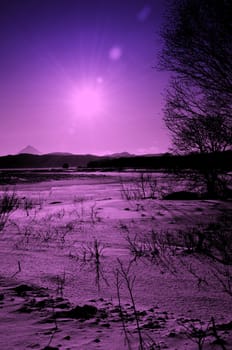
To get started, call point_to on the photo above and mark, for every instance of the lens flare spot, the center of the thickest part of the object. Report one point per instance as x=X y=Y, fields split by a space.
x=115 y=53
x=144 y=13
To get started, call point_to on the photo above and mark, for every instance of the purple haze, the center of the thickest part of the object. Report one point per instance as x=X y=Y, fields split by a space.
x=77 y=76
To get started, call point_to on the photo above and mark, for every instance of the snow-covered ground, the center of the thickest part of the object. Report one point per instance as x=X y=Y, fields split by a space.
x=67 y=249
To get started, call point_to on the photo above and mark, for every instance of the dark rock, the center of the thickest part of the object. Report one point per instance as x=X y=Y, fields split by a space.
x=106 y=325
x=22 y=289
x=182 y=195
x=172 y=334
x=63 y=305
x=48 y=303
x=220 y=342
x=97 y=340
x=79 y=312
x=44 y=303
x=102 y=314
x=225 y=326
x=141 y=313
x=86 y=312
x=25 y=309
x=116 y=310
x=67 y=337
x=152 y=325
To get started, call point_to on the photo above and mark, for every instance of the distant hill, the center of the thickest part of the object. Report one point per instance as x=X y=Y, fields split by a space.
x=29 y=150
x=60 y=154
x=119 y=155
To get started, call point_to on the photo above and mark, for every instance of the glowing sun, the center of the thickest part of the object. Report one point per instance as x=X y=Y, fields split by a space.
x=87 y=101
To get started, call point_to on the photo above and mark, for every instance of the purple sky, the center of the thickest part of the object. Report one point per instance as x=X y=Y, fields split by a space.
x=77 y=76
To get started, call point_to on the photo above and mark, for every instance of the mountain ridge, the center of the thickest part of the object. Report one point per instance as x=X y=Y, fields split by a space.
x=29 y=150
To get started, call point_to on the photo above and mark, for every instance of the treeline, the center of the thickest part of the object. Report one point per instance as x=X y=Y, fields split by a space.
x=45 y=161
x=220 y=160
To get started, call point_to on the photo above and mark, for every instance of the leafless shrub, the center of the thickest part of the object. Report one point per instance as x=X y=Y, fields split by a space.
x=192 y=240
x=142 y=187
x=196 y=331
x=47 y=234
x=84 y=213
x=55 y=329
x=214 y=331
x=44 y=230
x=125 y=277
x=199 y=332
x=79 y=199
x=209 y=245
x=212 y=240
x=27 y=204
x=218 y=239
x=91 y=254
x=94 y=214
x=79 y=211
x=153 y=246
x=167 y=187
x=40 y=202
x=215 y=271
x=123 y=226
x=70 y=226
x=127 y=333
x=9 y=202
x=26 y=232
x=59 y=214
x=128 y=279
x=18 y=271
x=136 y=247
x=60 y=284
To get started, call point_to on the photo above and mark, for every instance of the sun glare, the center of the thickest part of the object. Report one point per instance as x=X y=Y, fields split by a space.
x=88 y=101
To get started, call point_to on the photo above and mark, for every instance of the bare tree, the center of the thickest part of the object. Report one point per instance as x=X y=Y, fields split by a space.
x=195 y=125
x=198 y=47
x=198 y=50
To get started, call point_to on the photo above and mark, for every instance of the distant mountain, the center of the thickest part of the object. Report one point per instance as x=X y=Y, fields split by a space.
x=120 y=155
x=29 y=150
x=60 y=154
